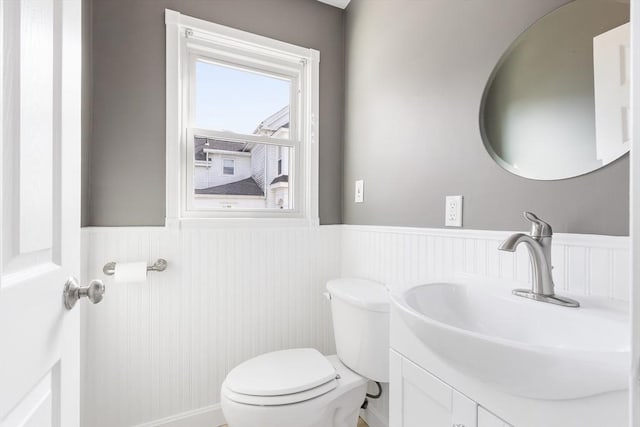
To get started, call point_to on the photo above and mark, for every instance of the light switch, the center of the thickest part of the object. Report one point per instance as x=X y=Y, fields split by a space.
x=359 y=195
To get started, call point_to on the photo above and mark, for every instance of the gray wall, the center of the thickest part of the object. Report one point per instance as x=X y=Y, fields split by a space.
x=124 y=138
x=415 y=73
x=87 y=107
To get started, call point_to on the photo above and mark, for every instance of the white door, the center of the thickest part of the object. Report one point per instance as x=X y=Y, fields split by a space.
x=40 y=75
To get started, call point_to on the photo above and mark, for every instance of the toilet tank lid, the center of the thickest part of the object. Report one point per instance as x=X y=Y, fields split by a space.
x=367 y=294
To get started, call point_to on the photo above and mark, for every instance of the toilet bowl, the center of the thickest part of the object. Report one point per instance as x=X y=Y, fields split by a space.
x=334 y=403
x=301 y=387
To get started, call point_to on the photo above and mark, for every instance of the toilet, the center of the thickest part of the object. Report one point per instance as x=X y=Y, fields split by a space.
x=300 y=387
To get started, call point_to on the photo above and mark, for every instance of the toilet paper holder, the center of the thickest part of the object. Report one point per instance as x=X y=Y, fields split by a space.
x=110 y=268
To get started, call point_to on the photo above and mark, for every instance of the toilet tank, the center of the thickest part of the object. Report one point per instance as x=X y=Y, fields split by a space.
x=360 y=312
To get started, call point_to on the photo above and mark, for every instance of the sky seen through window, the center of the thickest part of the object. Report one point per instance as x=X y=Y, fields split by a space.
x=236 y=100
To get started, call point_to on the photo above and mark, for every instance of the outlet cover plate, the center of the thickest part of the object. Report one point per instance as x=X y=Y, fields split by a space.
x=453 y=211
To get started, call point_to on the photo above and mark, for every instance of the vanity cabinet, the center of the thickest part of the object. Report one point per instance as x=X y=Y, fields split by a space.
x=419 y=399
x=487 y=419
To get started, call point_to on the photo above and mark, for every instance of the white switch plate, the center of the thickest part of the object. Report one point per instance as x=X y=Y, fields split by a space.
x=359 y=196
x=453 y=211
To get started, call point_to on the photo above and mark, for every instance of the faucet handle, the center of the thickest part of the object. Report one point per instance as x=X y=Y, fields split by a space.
x=539 y=228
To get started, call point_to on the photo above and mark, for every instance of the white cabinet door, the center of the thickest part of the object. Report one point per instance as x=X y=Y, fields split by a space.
x=418 y=399
x=487 y=419
x=465 y=411
x=40 y=76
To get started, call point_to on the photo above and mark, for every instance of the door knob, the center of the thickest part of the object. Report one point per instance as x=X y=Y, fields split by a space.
x=73 y=292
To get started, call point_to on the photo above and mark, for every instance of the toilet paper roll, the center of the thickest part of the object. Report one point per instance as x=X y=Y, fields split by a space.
x=130 y=272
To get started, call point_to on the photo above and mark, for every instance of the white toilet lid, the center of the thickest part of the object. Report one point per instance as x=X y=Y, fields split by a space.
x=285 y=399
x=281 y=373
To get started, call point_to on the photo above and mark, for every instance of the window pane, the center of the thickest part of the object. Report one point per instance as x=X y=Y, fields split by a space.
x=241 y=175
x=228 y=167
x=239 y=101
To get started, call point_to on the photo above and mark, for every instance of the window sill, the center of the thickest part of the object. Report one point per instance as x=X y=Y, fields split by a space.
x=200 y=223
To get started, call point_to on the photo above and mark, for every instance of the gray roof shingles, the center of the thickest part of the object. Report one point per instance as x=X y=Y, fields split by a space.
x=245 y=187
x=281 y=178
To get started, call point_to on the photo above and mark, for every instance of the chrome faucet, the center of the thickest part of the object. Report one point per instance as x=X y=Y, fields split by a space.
x=539 y=245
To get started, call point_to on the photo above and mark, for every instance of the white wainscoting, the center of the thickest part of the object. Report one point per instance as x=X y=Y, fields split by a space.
x=156 y=353
x=402 y=257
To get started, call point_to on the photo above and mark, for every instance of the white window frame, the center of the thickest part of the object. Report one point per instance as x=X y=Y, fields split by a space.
x=186 y=39
x=233 y=167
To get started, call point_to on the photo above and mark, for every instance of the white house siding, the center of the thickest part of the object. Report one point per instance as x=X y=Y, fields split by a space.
x=212 y=176
x=258 y=164
x=272 y=173
x=285 y=161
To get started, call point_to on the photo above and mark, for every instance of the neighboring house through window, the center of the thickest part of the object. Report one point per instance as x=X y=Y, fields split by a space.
x=242 y=123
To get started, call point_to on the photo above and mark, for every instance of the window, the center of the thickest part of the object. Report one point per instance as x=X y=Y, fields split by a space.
x=241 y=124
x=228 y=167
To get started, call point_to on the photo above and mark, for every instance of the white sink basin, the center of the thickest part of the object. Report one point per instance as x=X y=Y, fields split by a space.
x=522 y=347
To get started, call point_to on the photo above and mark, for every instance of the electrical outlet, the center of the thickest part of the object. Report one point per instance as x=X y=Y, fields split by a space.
x=453 y=211
x=359 y=195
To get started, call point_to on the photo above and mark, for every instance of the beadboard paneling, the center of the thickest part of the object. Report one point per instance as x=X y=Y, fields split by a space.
x=402 y=257
x=161 y=348
x=155 y=354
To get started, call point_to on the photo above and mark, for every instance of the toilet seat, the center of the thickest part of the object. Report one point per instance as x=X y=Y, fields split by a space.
x=281 y=378
x=284 y=399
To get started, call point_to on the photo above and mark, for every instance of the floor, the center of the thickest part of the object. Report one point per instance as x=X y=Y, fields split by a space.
x=361 y=423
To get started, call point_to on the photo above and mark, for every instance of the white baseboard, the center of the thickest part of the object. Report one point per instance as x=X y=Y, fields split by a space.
x=373 y=418
x=209 y=416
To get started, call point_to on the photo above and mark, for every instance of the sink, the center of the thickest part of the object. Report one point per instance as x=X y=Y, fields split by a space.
x=519 y=346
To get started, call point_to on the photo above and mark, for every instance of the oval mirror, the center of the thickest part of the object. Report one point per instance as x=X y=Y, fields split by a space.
x=557 y=103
